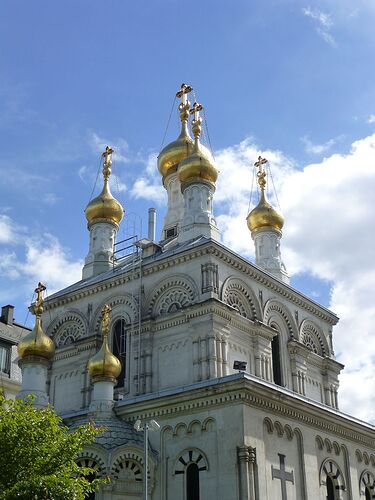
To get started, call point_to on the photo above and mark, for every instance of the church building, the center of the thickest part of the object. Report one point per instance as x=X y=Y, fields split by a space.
x=216 y=366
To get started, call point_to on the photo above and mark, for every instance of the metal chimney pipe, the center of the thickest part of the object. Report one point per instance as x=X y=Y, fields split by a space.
x=151 y=224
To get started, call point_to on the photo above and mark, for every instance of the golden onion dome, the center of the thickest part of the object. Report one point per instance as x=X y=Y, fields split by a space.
x=36 y=343
x=199 y=165
x=104 y=365
x=105 y=208
x=264 y=215
x=178 y=150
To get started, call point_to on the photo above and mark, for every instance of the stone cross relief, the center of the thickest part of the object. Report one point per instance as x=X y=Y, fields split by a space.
x=283 y=475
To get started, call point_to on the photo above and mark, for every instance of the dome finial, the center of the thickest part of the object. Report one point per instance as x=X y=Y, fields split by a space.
x=107 y=155
x=261 y=174
x=104 y=365
x=37 y=343
x=196 y=125
x=184 y=104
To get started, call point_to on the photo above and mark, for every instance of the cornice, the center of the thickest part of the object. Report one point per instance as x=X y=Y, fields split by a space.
x=207 y=248
x=256 y=394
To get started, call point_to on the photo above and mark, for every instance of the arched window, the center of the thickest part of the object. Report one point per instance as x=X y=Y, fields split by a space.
x=119 y=348
x=276 y=360
x=192 y=482
x=330 y=489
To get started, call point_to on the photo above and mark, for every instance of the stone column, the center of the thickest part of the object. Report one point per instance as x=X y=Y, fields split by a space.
x=246 y=460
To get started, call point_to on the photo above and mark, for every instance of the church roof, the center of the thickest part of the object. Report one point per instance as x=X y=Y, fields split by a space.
x=117 y=432
x=171 y=248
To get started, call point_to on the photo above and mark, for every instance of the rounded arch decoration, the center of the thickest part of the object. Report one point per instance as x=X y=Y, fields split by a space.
x=123 y=307
x=67 y=328
x=237 y=294
x=171 y=295
x=93 y=461
x=313 y=338
x=367 y=484
x=274 y=310
x=190 y=456
x=330 y=469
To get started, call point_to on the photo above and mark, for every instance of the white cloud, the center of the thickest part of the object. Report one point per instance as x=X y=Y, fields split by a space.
x=119 y=145
x=317 y=149
x=328 y=208
x=148 y=185
x=25 y=260
x=324 y=24
x=371 y=119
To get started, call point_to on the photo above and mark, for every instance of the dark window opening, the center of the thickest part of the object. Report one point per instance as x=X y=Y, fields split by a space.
x=5 y=359
x=330 y=489
x=169 y=233
x=90 y=478
x=368 y=493
x=192 y=482
x=119 y=348
x=276 y=361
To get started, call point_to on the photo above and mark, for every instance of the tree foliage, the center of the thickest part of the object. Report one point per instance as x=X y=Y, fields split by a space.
x=38 y=454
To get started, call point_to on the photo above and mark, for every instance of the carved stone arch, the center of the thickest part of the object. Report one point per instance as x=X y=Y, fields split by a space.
x=313 y=337
x=190 y=456
x=289 y=432
x=275 y=309
x=208 y=424
x=328 y=445
x=279 y=428
x=319 y=442
x=180 y=428
x=194 y=423
x=329 y=468
x=269 y=425
x=92 y=460
x=123 y=307
x=68 y=327
x=372 y=460
x=237 y=294
x=128 y=466
x=171 y=294
x=336 y=447
x=358 y=454
x=366 y=458
x=367 y=481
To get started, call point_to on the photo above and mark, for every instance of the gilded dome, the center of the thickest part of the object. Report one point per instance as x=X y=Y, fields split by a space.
x=199 y=165
x=264 y=216
x=104 y=365
x=178 y=150
x=37 y=343
x=105 y=208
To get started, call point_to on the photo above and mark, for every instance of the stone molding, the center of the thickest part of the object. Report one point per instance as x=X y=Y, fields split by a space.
x=208 y=248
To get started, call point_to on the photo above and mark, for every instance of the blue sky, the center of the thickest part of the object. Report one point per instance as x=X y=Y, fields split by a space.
x=290 y=79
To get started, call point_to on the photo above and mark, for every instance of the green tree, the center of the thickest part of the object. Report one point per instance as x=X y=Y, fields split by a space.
x=38 y=454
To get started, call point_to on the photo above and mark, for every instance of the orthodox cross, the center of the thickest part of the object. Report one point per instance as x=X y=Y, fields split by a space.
x=107 y=155
x=261 y=173
x=38 y=307
x=105 y=319
x=182 y=94
x=283 y=475
x=195 y=110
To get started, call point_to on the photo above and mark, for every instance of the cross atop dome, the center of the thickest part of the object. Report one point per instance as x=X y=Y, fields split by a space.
x=261 y=173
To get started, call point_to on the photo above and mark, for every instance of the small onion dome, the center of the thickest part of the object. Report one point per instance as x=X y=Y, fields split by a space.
x=104 y=365
x=178 y=150
x=36 y=343
x=264 y=216
x=200 y=165
x=104 y=208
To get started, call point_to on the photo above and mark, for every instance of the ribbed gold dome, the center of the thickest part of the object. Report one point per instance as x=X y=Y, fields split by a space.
x=37 y=343
x=178 y=150
x=264 y=216
x=105 y=208
x=199 y=165
x=104 y=365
